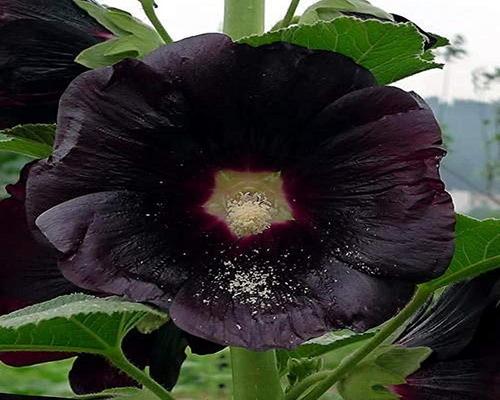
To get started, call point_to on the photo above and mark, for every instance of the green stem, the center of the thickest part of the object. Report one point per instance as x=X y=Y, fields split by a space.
x=465 y=273
x=243 y=18
x=122 y=363
x=149 y=9
x=255 y=375
x=348 y=363
x=300 y=388
x=290 y=13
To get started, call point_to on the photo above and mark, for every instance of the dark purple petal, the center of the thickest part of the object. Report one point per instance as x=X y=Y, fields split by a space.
x=449 y=324
x=28 y=263
x=466 y=364
x=168 y=352
x=94 y=374
x=457 y=380
x=105 y=110
x=29 y=274
x=283 y=313
x=62 y=12
x=248 y=102
x=373 y=190
x=168 y=355
x=204 y=61
x=307 y=79
x=485 y=341
x=40 y=40
x=27 y=358
x=28 y=268
x=117 y=237
x=163 y=351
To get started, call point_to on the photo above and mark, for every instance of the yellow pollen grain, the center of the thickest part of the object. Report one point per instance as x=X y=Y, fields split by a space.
x=249 y=213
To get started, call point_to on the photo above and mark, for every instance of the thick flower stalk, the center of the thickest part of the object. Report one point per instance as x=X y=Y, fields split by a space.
x=263 y=196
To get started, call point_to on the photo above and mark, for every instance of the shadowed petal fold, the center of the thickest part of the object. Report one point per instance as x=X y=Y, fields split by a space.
x=373 y=189
x=40 y=40
x=28 y=268
x=462 y=328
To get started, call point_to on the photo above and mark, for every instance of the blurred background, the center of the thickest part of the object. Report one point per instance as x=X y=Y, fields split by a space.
x=465 y=97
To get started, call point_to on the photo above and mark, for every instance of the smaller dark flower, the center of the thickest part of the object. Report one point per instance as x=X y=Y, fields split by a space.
x=462 y=328
x=40 y=40
x=29 y=274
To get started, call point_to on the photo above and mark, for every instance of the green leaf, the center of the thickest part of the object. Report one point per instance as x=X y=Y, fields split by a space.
x=440 y=42
x=299 y=369
x=124 y=393
x=95 y=325
x=100 y=14
x=391 y=51
x=477 y=250
x=334 y=345
x=133 y=38
x=109 y=53
x=388 y=365
x=401 y=360
x=327 y=343
x=30 y=140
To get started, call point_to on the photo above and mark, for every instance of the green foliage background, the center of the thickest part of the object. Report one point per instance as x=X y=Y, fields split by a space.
x=10 y=164
x=207 y=377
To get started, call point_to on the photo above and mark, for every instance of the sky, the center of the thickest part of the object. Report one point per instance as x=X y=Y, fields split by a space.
x=477 y=20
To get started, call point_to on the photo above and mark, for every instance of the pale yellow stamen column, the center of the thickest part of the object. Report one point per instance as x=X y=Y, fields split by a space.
x=249 y=213
x=248 y=202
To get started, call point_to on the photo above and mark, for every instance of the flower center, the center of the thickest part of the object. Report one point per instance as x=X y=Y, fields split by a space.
x=249 y=213
x=248 y=202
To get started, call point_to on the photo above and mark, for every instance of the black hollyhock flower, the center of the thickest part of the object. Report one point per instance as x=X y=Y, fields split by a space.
x=462 y=328
x=263 y=195
x=29 y=274
x=40 y=40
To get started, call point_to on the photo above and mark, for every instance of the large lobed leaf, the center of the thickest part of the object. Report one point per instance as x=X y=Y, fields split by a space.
x=391 y=51
x=388 y=365
x=477 y=250
x=74 y=323
x=34 y=140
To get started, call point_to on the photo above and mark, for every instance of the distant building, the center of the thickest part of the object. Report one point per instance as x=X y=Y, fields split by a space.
x=466 y=201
